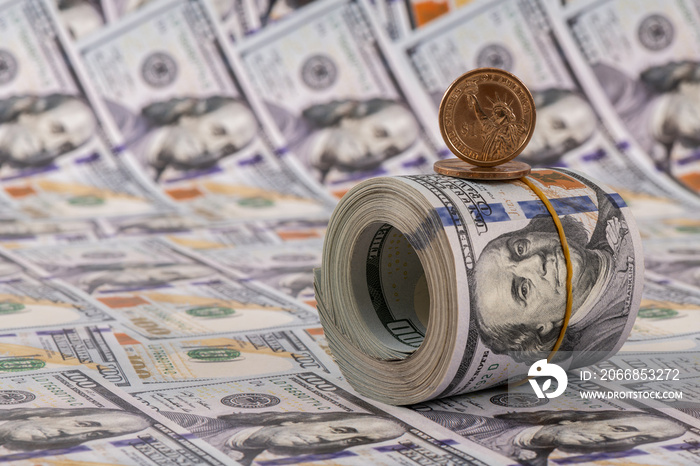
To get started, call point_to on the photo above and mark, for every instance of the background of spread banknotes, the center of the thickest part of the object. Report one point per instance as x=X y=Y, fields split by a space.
x=167 y=171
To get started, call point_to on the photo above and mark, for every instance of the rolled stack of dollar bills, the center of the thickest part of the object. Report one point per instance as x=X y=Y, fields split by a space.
x=433 y=286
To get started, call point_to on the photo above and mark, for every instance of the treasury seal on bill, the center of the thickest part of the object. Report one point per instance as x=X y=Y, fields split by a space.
x=487 y=117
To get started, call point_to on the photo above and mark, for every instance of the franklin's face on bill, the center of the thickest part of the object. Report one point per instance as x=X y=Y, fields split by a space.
x=361 y=143
x=608 y=435
x=42 y=128
x=684 y=112
x=198 y=133
x=42 y=430
x=524 y=277
x=563 y=123
x=230 y=125
x=327 y=434
x=530 y=437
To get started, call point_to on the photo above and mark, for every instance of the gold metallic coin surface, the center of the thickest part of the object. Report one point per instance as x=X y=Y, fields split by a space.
x=460 y=169
x=487 y=116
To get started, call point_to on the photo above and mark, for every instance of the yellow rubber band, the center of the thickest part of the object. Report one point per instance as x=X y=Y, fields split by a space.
x=569 y=269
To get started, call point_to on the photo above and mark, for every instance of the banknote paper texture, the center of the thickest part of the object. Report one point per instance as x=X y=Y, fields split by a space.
x=205 y=307
x=83 y=17
x=190 y=230
x=683 y=410
x=677 y=262
x=58 y=348
x=671 y=227
x=644 y=57
x=29 y=302
x=56 y=159
x=161 y=292
x=665 y=311
x=372 y=127
x=286 y=268
x=225 y=235
x=568 y=429
x=394 y=18
x=170 y=362
x=166 y=79
x=119 y=265
x=73 y=418
x=17 y=234
x=316 y=421
x=238 y=17
x=684 y=365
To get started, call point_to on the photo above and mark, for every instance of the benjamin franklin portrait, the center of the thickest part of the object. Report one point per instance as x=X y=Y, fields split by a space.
x=243 y=436
x=530 y=437
x=565 y=121
x=186 y=133
x=348 y=136
x=519 y=285
x=29 y=429
x=37 y=129
x=659 y=107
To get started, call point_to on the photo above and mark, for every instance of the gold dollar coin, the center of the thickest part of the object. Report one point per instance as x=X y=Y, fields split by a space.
x=487 y=116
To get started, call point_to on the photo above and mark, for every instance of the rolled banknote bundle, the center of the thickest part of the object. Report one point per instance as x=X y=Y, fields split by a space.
x=433 y=286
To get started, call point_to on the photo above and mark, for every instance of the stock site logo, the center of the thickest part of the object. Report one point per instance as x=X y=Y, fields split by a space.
x=544 y=369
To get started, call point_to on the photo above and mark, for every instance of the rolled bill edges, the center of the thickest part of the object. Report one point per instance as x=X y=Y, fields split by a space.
x=409 y=356
x=385 y=359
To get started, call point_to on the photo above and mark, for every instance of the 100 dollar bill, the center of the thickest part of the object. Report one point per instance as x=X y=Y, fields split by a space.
x=339 y=100
x=206 y=307
x=57 y=161
x=642 y=57
x=666 y=310
x=500 y=258
x=119 y=265
x=68 y=416
x=569 y=428
x=169 y=81
x=287 y=268
x=307 y=418
x=29 y=302
x=56 y=348
x=174 y=361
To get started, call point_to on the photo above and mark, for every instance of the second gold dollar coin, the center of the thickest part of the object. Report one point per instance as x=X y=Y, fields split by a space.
x=487 y=117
